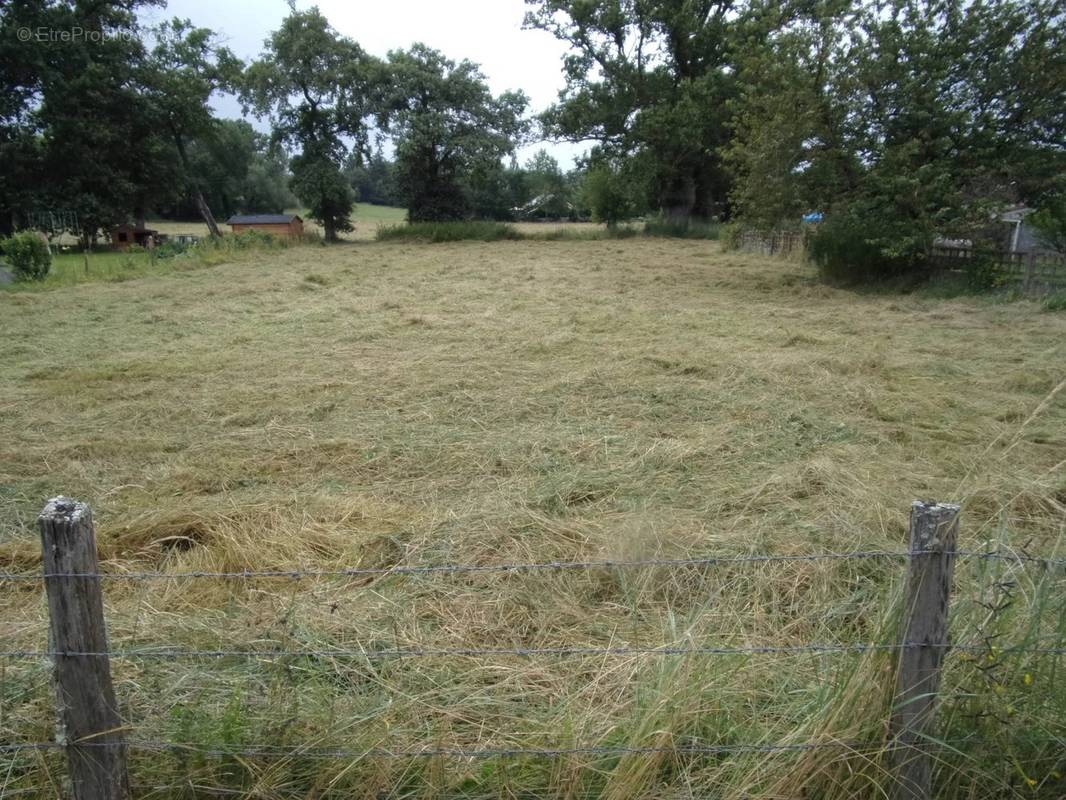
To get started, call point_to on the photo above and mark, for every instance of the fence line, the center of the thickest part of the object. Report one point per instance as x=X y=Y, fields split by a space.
x=262 y=751
x=93 y=735
x=458 y=752
x=771 y=243
x=363 y=572
x=1032 y=271
x=446 y=652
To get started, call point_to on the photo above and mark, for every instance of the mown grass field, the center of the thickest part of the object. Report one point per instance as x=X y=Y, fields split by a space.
x=377 y=404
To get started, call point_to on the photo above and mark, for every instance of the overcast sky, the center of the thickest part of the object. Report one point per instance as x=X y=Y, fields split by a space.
x=488 y=32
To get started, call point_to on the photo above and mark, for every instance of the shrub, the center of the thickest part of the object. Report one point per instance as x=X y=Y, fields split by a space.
x=608 y=195
x=434 y=232
x=170 y=248
x=983 y=273
x=729 y=236
x=1050 y=222
x=28 y=254
x=843 y=249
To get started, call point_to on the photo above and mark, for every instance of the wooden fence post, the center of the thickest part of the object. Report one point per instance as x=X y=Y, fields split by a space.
x=924 y=634
x=90 y=726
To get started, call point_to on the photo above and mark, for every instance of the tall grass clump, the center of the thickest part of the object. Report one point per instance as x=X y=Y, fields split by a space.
x=435 y=232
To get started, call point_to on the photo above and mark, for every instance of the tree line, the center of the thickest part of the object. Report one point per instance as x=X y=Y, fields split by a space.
x=894 y=121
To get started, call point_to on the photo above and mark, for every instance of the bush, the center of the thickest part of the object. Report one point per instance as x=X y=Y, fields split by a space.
x=170 y=248
x=729 y=236
x=434 y=232
x=843 y=250
x=28 y=254
x=983 y=273
x=608 y=195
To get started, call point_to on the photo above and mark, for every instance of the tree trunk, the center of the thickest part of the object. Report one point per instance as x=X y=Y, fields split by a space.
x=676 y=199
x=329 y=230
x=205 y=212
x=198 y=196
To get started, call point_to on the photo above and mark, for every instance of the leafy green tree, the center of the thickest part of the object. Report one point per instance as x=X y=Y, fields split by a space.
x=903 y=120
x=1050 y=222
x=448 y=127
x=325 y=191
x=651 y=78
x=28 y=254
x=546 y=183
x=793 y=146
x=238 y=169
x=179 y=75
x=609 y=195
x=82 y=100
x=373 y=180
x=317 y=87
x=22 y=67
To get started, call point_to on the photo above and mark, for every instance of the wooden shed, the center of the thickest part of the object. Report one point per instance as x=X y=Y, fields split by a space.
x=277 y=224
x=122 y=236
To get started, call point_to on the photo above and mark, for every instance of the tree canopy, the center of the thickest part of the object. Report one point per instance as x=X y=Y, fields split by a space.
x=447 y=126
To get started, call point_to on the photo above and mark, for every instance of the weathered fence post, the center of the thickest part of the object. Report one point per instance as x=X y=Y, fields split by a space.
x=924 y=634
x=90 y=726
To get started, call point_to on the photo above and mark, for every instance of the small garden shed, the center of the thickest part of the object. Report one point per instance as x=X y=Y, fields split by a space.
x=122 y=236
x=277 y=224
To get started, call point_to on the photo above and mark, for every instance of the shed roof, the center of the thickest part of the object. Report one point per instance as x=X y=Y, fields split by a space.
x=262 y=219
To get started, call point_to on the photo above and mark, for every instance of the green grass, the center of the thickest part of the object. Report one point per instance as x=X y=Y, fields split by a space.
x=107 y=266
x=489 y=402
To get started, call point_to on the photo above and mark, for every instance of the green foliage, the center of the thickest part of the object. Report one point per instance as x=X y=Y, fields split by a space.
x=983 y=272
x=317 y=87
x=1050 y=222
x=651 y=80
x=434 y=232
x=239 y=172
x=184 y=68
x=373 y=181
x=324 y=191
x=729 y=235
x=450 y=130
x=843 y=250
x=904 y=121
x=608 y=194
x=28 y=254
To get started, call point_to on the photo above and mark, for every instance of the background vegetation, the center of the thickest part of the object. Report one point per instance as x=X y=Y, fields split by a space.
x=898 y=123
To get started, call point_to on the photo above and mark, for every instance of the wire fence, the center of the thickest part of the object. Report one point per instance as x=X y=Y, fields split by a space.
x=88 y=578
x=528 y=652
x=534 y=566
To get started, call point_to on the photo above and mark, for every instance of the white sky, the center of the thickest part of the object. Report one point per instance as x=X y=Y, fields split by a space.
x=488 y=32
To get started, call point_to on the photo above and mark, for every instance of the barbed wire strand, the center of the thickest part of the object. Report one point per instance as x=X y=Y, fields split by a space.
x=362 y=572
x=493 y=752
x=398 y=653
